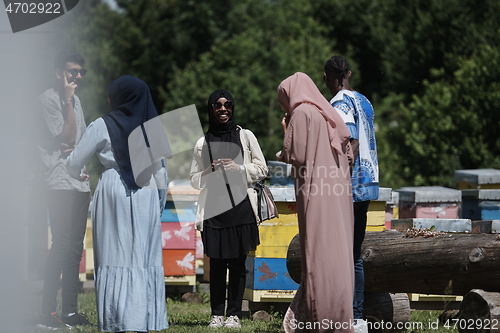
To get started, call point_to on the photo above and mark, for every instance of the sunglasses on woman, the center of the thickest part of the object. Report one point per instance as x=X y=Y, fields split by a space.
x=218 y=105
x=74 y=71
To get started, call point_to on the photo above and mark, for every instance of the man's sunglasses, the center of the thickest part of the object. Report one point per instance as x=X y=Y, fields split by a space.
x=74 y=71
x=227 y=105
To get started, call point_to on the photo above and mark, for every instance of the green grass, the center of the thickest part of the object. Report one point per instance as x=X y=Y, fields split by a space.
x=182 y=317
x=194 y=318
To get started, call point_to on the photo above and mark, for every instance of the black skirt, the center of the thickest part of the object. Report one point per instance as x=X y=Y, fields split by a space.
x=230 y=242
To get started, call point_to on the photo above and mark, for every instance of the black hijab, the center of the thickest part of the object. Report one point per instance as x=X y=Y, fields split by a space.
x=217 y=132
x=132 y=106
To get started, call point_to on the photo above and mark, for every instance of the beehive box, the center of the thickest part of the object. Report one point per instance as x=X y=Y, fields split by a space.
x=429 y=202
x=440 y=224
x=269 y=295
x=495 y=226
x=274 y=240
x=179 y=262
x=478 y=179
x=481 y=227
x=83 y=262
x=481 y=204
x=283 y=193
x=375 y=217
x=199 y=245
x=279 y=172
x=490 y=210
x=179 y=211
x=178 y=235
x=268 y=274
x=89 y=252
x=434 y=298
x=392 y=209
x=276 y=234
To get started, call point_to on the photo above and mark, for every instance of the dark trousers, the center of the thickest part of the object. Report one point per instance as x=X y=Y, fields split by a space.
x=236 y=285
x=68 y=212
x=360 y=210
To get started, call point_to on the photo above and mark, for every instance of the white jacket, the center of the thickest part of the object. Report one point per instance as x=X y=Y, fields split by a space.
x=255 y=169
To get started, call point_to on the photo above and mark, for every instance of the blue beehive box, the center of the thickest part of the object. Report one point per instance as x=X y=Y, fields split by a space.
x=268 y=274
x=490 y=210
x=481 y=204
x=182 y=211
x=280 y=173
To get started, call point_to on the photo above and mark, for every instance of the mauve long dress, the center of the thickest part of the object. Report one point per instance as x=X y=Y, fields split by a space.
x=324 y=206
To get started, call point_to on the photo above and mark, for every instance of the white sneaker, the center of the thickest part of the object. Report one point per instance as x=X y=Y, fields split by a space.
x=360 y=326
x=216 y=321
x=232 y=322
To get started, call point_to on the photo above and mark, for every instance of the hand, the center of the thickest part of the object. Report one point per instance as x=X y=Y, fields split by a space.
x=84 y=177
x=284 y=122
x=228 y=164
x=69 y=90
x=66 y=150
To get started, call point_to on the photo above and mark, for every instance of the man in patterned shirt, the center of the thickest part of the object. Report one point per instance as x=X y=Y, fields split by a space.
x=357 y=112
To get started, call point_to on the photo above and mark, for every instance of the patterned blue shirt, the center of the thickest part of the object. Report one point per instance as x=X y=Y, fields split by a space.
x=357 y=112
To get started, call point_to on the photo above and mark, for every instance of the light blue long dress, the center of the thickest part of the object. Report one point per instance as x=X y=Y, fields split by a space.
x=129 y=279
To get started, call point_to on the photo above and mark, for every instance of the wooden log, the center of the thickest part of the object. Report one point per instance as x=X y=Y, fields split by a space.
x=386 y=307
x=452 y=264
x=293 y=259
x=378 y=306
x=479 y=312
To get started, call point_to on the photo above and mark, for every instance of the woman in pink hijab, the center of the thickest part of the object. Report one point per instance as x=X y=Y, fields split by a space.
x=317 y=146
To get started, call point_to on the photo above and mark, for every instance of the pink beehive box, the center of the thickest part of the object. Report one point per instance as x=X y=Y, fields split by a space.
x=429 y=202
x=178 y=235
x=83 y=266
x=199 y=246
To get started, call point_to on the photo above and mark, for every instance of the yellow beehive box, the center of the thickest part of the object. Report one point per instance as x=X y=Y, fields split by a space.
x=188 y=280
x=375 y=227
x=276 y=234
x=375 y=216
x=269 y=295
x=274 y=240
x=434 y=298
x=376 y=213
x=287 y=215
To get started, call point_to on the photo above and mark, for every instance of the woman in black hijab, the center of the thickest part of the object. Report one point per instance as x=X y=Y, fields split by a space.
x=129 y=279
x=226 y=163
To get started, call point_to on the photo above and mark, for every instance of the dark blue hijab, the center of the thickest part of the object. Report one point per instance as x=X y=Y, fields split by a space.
x=131 y=106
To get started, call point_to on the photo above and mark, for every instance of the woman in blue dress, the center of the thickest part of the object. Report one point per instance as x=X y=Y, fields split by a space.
x=129 y=279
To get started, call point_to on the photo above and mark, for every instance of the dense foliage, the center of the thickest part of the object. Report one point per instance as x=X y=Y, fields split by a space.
x=430 y=67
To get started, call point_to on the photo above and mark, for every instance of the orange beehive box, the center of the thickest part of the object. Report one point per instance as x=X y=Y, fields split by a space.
x=179 y=262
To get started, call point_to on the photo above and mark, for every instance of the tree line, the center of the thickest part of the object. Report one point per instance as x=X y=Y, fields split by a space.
x=430 y=68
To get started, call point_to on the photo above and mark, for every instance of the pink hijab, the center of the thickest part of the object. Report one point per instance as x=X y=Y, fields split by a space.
x=298 y=89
